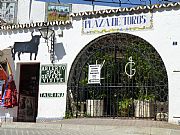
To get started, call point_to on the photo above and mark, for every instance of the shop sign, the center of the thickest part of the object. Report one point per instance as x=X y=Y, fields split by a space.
x=51 y=94
x=117 y=23
x=51 y=74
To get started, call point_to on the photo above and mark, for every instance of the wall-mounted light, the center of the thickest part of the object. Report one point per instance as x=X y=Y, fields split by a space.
x=174 y=42
x=47 y=34
x=60 y=33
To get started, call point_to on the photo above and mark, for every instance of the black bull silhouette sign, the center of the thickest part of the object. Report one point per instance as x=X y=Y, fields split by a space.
x=27 y=47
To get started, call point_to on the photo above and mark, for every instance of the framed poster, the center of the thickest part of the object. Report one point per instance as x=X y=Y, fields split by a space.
x=8 y=11
x=58 y=12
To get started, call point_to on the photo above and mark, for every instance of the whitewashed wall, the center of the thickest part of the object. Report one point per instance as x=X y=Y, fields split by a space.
x=161 y=37
x=166 y=30
x=35 y=11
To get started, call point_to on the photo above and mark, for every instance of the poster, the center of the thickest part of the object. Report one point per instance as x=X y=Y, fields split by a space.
x=26 y=108
x=94 y=74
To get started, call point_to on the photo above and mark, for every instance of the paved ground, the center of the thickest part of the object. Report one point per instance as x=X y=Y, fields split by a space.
x=89 y=126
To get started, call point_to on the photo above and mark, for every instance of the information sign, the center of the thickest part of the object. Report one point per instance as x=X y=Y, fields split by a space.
x=94 y=74
x=53 y=73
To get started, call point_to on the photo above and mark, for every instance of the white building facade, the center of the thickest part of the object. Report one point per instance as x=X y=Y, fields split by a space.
x=159 y=25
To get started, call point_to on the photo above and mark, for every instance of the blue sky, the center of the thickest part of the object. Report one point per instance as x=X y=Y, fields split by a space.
x=114 y=3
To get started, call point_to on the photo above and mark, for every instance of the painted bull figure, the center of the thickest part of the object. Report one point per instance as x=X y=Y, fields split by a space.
x=27 y=47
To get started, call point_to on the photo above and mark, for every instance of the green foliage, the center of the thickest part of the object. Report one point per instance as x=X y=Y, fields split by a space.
x=125 y=107
x=84 y=81
x=149 y=69
x=95 y=94
x=68 y=115
x=145 y=96
x=87 y=115
x=150 y=97
x=125 y=103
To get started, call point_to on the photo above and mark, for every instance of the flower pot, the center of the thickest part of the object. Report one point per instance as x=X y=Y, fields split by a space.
x=144 y=109
x=95 y=107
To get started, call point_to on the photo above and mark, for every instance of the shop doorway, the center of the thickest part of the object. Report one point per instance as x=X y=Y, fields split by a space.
x=134 y=82
x=28 y=92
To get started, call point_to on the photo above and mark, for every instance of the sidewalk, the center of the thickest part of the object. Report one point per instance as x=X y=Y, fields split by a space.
x=123 y=126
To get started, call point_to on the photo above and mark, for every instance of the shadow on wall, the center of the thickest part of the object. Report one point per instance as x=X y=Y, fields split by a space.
x=59 y=51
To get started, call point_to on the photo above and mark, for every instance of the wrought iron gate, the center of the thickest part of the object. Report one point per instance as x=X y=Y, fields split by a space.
x=134 y=81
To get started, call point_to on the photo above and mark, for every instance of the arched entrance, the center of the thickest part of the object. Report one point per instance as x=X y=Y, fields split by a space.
x=134 y=81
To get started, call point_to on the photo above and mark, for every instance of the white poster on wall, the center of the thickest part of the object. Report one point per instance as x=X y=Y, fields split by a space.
x=94 y=74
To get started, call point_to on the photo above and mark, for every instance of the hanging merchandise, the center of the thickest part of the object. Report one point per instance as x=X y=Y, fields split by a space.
x=9 y=72
x=1 y=86
x=3 y=74
x=9 y=98
x=13 y=98
x=3 y=80
x=4 y=95
x=14 y=93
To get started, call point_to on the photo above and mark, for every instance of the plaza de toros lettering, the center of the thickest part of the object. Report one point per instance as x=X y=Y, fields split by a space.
x=117 y=23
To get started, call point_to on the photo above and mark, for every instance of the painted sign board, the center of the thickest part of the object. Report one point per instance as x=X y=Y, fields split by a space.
x=94 y=74
x=117 y=23
x=53 y=74
x=51 y=94
x=58 y=12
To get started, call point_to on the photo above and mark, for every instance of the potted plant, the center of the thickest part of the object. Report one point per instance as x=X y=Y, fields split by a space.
x=95 y=103
x=144 y=105
x=125 y=107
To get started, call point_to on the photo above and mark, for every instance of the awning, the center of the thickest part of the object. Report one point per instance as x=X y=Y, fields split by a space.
x=110 y=3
